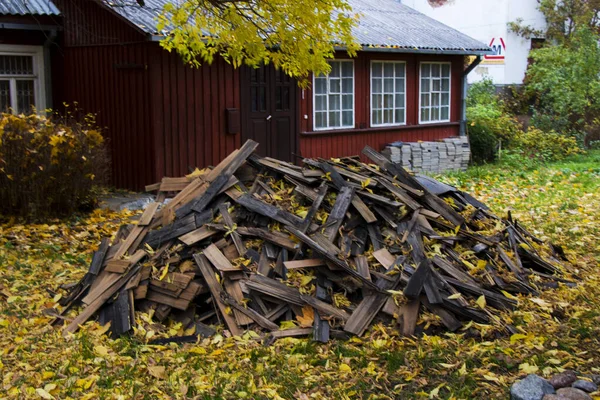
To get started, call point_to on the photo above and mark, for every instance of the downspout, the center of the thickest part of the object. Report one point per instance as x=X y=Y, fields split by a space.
x=52 y=34
x=463 y=105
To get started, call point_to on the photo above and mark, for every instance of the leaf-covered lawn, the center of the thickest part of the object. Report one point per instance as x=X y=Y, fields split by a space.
x=560 y=202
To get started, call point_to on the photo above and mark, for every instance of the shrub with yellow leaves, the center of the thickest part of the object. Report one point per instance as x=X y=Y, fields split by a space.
x=49 y=165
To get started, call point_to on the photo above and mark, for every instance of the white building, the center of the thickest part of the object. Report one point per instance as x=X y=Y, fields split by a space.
x=487 y=21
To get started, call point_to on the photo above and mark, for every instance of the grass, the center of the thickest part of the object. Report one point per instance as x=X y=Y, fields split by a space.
x=559 y=202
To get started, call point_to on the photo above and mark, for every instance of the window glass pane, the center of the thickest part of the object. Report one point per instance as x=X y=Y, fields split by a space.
x=399 y=101
x=334 y=102
x=347 y=118
x=347 y=102
x=388 y=70
x=425 y=114
x=376 y=69
x=424 y=85
x=377 y=101
x=321 y=85
x=435 y=99
x=377 y=117
x=16 y=65
x=388 y=116
x=436 y=85
x=335 y=69
x=424 y=100
x=445 y=99
x=446 y=84
x=25 y=96
x=435 y=70
x=347 y=69
x=320 y=121
x=435 y=114
x=347 y=85
x=399 y=116
x=388 y=85
x=388 y=101
x=4 y=96
x=377 y=86
x=425 y=70
x=399 y=85
x=334 y=86
x=334 y=118
x=399 y=70
x=445 y=70
x=445 y=113
x=321 y=103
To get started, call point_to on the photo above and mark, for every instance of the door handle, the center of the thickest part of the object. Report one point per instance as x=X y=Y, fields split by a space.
x=269 y=117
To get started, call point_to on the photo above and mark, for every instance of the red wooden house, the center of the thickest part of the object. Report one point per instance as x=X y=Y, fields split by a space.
x=164 y=118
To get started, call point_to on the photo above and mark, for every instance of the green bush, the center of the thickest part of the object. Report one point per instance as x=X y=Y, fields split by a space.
x=488 y=123
x=538 y=145
x=564 y=81
x=48 y=166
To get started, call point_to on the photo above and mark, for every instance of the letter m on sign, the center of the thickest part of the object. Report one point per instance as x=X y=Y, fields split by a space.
x=499 y=48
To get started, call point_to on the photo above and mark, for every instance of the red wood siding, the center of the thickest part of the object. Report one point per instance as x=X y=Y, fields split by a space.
x=189 y=113
x=88 y=23
x=113 y=82
x=348 y=142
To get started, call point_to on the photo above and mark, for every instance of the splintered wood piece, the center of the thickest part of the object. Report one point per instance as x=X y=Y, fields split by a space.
x=277 y=238
x=99 y=301
x=148 y=214
x=216 y=290
x=180 y=304
x=99 y=255
x=118 y=313
x=249 y=314
x=168 y=184
x=294 y=332
x=320 y=326
x=306 y=263
x=362 y=266
x=260 y=207
x=264 y=268
x=369 y=307
x=217 y=259
x=448 y=319
x=417 y=280
x=237 y=240
x=314 y=208
x=409 y=313
x=284 y=169
x=233 y=289
x=132 y=237
x=400 y=194
x=385 y=258
x=198 y=235
x=338 y=213
x=117 y=266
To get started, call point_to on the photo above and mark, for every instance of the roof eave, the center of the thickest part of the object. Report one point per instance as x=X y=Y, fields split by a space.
x=455 y=52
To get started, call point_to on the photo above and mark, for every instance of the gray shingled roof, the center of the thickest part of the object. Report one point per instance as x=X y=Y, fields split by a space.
x=384 y=25
x=28 y=7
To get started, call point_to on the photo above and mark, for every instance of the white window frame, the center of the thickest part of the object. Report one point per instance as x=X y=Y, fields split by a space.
x=314 y=95
x=39 y=92
x=371 y=94
x=430 y=88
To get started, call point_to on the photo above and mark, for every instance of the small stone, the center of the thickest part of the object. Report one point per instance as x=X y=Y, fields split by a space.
x=596 y=379
x=552 y=397
x=586 y=386
x=564 y=379
x=572 y=394
x=532 y=387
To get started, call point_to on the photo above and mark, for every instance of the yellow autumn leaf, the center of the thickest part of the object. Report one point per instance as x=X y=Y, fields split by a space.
x=157 y=371
x=481 y=302
x=455 y=296
x=307 y=318
x=48 y=375
x=516 y=337
x=101 y=350
x=44 y=394
x=526 y=368
x=345 y=368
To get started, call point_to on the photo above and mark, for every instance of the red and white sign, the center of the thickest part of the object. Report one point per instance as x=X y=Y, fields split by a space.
x=499 y=47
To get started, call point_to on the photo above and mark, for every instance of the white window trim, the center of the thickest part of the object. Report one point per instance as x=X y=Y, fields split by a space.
x=39 y=92
x=314 y=108
x=449 y=93
x=371 y=124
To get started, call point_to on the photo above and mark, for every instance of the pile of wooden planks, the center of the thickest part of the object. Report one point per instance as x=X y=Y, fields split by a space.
x=323 y=249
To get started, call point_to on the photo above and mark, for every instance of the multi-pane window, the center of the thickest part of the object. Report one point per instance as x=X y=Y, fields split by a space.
x=388 y=93
x=435 y=92
x=19 y=82
x=334 y=97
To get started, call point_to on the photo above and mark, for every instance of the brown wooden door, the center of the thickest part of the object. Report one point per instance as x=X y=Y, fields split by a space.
x=269 y=112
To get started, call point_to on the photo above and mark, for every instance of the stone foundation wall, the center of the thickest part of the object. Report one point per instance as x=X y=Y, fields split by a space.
x=451 y=154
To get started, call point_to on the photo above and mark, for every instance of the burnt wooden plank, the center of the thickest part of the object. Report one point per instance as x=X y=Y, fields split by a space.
x=99 y=255
x=338 y=213
x=417 y=280
x=218 y=260
x=237 y=240
x=314 y=207
x=216 y=290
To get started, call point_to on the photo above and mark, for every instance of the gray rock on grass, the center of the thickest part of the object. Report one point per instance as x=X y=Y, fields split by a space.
x=532 y=387
x=572 y=394
x=564 y=379
x=586 y=386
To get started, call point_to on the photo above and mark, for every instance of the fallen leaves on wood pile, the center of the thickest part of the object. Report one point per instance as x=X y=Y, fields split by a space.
x=559 y=330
